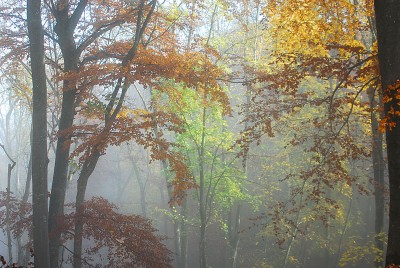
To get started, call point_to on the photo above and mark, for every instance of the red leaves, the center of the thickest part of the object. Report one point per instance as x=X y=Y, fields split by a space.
x=130 y=240
x=20 y=213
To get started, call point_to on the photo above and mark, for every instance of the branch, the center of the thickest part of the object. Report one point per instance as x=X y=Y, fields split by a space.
x=345 y=77
x=73 y=21
x=98 y=32
x=83 y=259
x=139 y=31
x=129 y=56
x=9 y=157
x=346 y=121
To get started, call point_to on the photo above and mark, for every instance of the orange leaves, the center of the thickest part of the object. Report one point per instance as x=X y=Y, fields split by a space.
x=136 y=125
x=193 y=69
x=391 y=99
x=386 y=123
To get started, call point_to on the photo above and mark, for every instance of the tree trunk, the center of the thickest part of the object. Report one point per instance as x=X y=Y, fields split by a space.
x=39 y=135
x=346 y=225
x=87 y=170
x=180 y=228
x=233 y=234
x=142 y=188
x=8 y=228
x=183 y=234
x=23 y=252
x=378 y=166
x=297 y=222
x=64 y=29
x=388 y=31
x=202 y=199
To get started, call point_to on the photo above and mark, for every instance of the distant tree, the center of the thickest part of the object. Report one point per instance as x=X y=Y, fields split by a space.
x=318 y=66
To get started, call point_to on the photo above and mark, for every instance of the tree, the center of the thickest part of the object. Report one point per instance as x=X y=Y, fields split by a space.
x=121 y=240
x=89 y=62
x=129 y=240
x=388 y=35
x=330 y=42
x=39 y=134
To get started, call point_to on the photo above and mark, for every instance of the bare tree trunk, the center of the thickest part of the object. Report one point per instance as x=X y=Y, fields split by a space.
x=379 y=167
x=142 y=188
x=202 y=198
x=23 y=253
x=297 y=222
x=87 y=170
x=183 y=234
x=233 y=234
x=346 y=225
x=8 y=229
x=388 y=31
x=39 y=135
x=179 y=227
x=64 y=29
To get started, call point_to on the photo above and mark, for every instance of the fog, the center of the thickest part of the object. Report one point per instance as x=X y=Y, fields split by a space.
x=223 y=134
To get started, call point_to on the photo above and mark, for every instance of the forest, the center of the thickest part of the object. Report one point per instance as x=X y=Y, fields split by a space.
x=200 y=134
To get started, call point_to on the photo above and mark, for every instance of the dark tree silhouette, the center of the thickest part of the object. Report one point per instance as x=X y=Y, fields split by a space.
x=388 y=29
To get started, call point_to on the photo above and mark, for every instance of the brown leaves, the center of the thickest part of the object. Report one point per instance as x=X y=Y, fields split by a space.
x=130 y=240
x=20 y=214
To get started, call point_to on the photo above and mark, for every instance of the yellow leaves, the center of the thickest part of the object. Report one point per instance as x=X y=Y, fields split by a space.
x=132 y=113
x=358 y=252
x=307 y=26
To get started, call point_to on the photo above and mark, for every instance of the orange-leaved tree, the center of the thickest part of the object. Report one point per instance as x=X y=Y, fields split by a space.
x=105 y=47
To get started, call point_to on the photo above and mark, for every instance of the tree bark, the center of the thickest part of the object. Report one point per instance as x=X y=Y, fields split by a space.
x=8 y=231
x=39 y=135
x=379 y=167
x=142 y=188
x=87 y=170
x=112 y=110
x=64 y=29
x=202 y=196
x=387 y=14
x=183 y=234
x=23 y=252
x=233 y=234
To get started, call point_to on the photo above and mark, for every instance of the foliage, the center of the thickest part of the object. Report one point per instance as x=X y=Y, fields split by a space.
x=126 y=240
x=309 y=92
x=130 y=240
x=356 y=252
x=20 y=213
